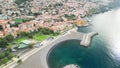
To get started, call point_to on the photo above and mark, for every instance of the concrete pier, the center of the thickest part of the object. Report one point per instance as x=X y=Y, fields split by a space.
x=86 y=40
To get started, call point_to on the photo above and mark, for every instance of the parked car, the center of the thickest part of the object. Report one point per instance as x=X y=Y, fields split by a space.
x=14 y=50
x=50 y=38
x=38 y=45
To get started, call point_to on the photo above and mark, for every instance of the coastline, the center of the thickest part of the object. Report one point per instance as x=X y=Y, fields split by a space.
x=59 y=38
x=36 y=50
x=45 y=47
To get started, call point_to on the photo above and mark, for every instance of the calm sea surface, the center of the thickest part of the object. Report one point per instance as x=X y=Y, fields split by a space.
x=104 y=51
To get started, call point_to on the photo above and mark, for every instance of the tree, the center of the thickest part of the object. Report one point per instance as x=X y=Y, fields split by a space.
x=0 y=63
x=3 y=43
x=7 y=53
x=14 y=25
x=93 y=10
x=10 y=56
x=58 y=5
x=9 y=49
x=30 y=35
x=18 y=2
x=9 y=38
x=70 y=17
x=2 y=55
x=31 y=45
x=0 y=11
x=5 y=56
x=4 y=60
x=46 y=31
x=22 y=34
x=35 y=14
x=1 y=28
x=19 y=61
x=56 y=33
x=51 y=31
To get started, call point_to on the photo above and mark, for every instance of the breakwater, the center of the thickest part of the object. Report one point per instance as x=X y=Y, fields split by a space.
x=86 y=40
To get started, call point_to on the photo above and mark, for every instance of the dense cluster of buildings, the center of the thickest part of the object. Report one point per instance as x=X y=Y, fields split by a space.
x=29 y=26
x=47 y=13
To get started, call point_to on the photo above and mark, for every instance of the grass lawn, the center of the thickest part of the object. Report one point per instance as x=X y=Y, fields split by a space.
x=21 y=39
x=19 y=20
x=37 y=37
x=17 y=41
x=41 y=37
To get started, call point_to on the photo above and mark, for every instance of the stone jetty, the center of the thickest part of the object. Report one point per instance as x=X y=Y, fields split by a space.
x=86 y=40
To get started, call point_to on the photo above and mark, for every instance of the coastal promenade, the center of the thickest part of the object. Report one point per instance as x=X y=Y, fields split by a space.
x=39 y=59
